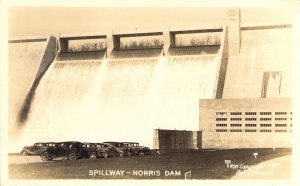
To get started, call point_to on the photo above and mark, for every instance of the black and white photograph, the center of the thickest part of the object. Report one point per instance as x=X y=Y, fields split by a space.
x=149 y=93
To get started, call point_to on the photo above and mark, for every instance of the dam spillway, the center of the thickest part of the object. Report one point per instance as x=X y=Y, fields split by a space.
x=98 y=100
x=122 y=91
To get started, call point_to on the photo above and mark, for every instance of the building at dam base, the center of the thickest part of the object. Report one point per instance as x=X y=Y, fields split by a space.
x=246 y=123
x=122 y=90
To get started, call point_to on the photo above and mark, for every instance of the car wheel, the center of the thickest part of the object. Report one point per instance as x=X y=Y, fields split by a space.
x=72 y=156
x=105 y=155
x=93 y=155
x=45 y=156
x=141 y=153
x=121 y=154
x=24 y=153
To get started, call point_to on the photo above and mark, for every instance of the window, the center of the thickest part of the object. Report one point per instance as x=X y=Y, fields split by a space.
x=235 y=113
x=265 y=119
x=235 y=125
x=265 y=130
x=291 y=118
x=250 y=119
x=221 y=119
x=280 y=125
x=235 y=130
x=265 y=113
x=250 y=125
x=266 y=125
x=250 y=113
x=221 y=125
x=235 y=119
x=280 y=119
x=221 y=113
x=280 y=113
x=280 y=130
x=221 y=130
x=250 y=130
x=291 y=113
x=291 y=125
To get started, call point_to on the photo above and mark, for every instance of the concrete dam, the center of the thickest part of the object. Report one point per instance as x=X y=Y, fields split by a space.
x=121 y=96
x=123 y=90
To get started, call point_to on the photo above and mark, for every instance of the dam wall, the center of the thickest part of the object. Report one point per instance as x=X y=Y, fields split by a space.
x=117 y=93
x=124 y=91
x=28 y=59
x=263 y=69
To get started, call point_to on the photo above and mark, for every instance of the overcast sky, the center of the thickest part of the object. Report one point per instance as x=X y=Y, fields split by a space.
x=50 y=20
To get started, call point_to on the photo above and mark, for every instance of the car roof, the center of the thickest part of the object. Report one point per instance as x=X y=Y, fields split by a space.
x=111 y=142
x=70 y=142
x=130 y=142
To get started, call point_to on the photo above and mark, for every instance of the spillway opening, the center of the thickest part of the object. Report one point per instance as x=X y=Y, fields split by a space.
x=197 y=39
x=142 y=42
x=84 y=45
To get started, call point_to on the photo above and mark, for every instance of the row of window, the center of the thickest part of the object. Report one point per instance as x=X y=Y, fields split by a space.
x=252 y=113
x=251 y=119
x=251 y=125
x=249 y=130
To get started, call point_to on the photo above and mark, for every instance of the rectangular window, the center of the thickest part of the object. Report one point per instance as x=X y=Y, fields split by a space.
x=235 y=125
x=265 y=125
x=236 y=130
x=250 y=113
x=265 y=119
x=280 y=130
x=221 y=119
x=280 y=119
x=236 y=119
x=250 y=130
x=250 y=125
x=221 y=113
x=280 y=113
x=291 y=125
x=250 y=119
x=235 y=113
x=221 y=125
x=280 y=125
x=265 y=130
x=221 y=130
x=265 y=113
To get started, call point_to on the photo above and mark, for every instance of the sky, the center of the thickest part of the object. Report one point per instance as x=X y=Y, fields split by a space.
x=30 y=21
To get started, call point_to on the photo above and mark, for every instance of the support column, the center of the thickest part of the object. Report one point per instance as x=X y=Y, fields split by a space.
x=234 y=32
x=169 y=40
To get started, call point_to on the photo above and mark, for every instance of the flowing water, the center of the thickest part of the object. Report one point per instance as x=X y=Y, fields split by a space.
x=120 y=99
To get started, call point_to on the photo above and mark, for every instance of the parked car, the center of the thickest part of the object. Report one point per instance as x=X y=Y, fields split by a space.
x=136 y=149
x=36 y=148
x=106 y=150
x=97 y=150
x=89 y=150
x=121 y=148
x=70 y=149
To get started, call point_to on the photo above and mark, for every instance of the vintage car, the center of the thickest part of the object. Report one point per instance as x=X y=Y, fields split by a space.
x=69 y=149
x=122 y=149
x=106 y=150
x=36 y=148
x=136 y=149
x=96 y=150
